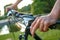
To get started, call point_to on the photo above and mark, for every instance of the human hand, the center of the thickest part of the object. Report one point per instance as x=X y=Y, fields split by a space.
x=42 y=23
x=10 y=7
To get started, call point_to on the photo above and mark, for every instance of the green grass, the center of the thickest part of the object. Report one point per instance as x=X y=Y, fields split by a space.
x=3 y=17
x=10 y=36
x=50 y=35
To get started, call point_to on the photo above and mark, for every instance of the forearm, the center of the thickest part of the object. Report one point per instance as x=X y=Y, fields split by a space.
x=17 y=2
x=56 y=9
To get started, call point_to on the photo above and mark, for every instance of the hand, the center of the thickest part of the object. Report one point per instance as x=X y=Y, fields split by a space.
x=42 y=23
x=10 y=7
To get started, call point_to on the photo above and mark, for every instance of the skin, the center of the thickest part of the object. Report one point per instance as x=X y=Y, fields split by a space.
x=43 y=22
x=13 y=6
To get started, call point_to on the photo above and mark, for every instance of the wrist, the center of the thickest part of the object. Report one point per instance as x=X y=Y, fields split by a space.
x=13 y=7
x=54 y=15
x=17 y=2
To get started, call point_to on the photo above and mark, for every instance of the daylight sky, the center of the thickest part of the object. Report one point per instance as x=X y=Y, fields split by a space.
x=5 y=2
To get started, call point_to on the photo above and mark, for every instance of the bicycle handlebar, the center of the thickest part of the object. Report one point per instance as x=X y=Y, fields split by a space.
x=27 y=18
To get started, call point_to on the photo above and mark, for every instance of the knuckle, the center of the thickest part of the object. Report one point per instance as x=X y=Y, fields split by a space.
x=45 y=22
x=37 y=18
x=41 y=22
x=32 y=23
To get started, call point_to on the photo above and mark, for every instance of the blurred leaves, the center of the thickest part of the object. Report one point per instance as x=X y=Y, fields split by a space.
x=25 y=9
x=3 y=17
x=13 y=28
x=42 y=6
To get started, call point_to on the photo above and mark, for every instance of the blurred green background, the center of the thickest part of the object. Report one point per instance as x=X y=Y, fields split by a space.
x=37 y=7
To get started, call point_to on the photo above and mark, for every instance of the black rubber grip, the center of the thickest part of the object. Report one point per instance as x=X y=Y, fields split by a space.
x=54 y=25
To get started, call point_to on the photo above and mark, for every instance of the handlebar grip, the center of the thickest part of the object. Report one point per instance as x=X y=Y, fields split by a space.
x=58 y=22
x=54 y=25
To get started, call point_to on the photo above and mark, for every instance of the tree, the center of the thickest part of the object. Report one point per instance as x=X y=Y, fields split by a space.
x=26 y=9
x=42 y=6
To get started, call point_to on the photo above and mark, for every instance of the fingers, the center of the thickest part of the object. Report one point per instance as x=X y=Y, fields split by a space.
x=32 y=25
x=34 y=22
x=35 y=27
x=7 y=9
x=46 y=26
x=41 y=25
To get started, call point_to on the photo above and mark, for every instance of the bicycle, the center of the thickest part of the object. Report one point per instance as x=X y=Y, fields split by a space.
x=28 y=19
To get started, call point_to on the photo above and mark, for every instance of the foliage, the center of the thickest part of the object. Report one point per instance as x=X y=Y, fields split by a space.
x=3 y=17
x=10 y=36
x=13 y=28
x=26 y=9
x=42 y=6
x=50 y=35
